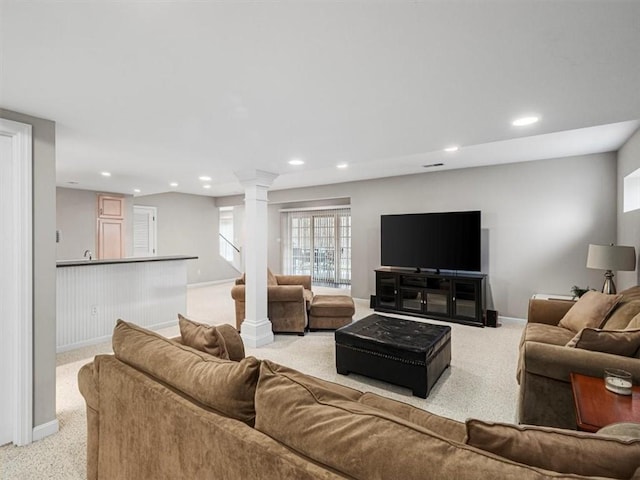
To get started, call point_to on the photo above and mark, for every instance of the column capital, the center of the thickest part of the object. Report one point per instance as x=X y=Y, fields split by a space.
x=253 y=177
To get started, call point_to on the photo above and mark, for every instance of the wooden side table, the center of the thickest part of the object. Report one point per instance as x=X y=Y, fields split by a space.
x=597 y=407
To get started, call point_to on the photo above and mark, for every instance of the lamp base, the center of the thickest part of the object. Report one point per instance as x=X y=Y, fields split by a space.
x=609 y=287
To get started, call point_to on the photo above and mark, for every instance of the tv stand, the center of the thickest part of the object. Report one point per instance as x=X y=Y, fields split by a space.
x=450 y=296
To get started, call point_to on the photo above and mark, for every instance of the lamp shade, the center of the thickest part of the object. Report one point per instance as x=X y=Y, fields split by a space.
x=611 y=257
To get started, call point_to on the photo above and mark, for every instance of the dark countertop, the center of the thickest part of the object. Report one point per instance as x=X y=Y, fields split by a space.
x=82 y=263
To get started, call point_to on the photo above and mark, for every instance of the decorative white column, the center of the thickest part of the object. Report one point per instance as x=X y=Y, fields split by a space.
x=256 y=327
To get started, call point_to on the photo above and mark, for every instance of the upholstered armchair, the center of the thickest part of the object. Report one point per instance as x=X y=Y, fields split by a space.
x=551 y=349
x=289 y=299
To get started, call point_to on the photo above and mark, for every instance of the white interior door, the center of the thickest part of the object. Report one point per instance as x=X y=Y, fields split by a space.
x=144 y=231
x=7 y=367
x=16 y=283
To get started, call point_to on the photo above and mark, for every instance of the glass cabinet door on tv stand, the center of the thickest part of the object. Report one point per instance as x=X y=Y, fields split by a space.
x=387 y=290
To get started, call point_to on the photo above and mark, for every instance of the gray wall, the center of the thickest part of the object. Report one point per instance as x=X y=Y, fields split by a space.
x=44 y=265
x=188 y=225
x=538 y=219
x=629 y=222
x=76 y=220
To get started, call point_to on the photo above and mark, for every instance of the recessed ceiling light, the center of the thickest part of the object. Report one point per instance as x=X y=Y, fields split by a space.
x=296 y=161
x=524 y=121
x=205 y=178
x=105 y=174
x=136 y=190
x=452 y=148
x=342 y=165
x=206 y=186
x=173 y=184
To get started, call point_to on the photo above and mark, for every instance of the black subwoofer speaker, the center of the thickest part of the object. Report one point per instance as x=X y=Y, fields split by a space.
x=492 y=318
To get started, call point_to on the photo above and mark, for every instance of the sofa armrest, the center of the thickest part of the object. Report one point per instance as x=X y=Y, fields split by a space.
x=285 y=293
x=88 y=385
x=547 y=311
x=557 y=362
x=304 y=280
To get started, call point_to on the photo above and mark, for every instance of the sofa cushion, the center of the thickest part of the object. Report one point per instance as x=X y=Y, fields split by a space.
x=617 y=342
x=271 y=278
x=543 y=333
x=622 y=315
x=591 y=310
x=205 y=338
x=225 y=386
x=558 y=450
x=629 y=430
x=443 y=426
x=357 y=440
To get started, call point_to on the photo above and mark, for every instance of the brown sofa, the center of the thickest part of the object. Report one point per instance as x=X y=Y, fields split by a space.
x=289 y=298
x=158 y=409
x=545 y=362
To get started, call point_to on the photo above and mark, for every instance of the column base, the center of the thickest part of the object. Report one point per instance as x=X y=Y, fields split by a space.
x=256 y=333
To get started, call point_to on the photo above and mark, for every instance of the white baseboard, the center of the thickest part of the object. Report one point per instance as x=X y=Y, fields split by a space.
x=44 y=430
x=515 y=319
x=213 y=282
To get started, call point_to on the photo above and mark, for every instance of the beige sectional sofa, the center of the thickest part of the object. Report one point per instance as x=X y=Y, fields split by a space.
x=159 y=409
x=609 y=337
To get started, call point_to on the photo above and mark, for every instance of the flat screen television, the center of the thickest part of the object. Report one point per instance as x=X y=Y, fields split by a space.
x=440 y=241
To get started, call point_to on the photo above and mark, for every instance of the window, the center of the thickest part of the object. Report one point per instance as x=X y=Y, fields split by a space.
x=318 y=243
x=631 y=190
x=225 y=226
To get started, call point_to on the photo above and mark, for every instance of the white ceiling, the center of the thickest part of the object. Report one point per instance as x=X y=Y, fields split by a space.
x=161 y=91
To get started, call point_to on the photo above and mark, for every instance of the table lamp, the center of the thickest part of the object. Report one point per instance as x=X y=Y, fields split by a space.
x=611 y=258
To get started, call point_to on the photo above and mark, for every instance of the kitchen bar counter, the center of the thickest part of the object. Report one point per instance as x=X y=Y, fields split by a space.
x=93 y=294
x=84 y=262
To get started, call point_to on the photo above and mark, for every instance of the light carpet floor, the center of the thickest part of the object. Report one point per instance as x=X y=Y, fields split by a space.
x=480 y=383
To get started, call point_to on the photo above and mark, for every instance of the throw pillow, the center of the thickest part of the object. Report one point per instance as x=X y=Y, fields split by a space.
x=634 y=323
x=617 y=342
x=205 y=338
x=590 y=310
x=563 y=451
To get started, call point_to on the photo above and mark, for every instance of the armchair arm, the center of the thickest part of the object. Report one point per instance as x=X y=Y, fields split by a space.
x=547 y=311
x=276 y=293
x=557 y=362
x=304 y=280
x=237 y=293
x=285 y=293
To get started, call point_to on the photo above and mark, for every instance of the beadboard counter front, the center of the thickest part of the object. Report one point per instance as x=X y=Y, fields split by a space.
x=92 y=295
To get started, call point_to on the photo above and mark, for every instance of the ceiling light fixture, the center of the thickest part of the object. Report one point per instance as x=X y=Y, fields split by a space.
x=452 y=148
x=105 y=174
x=296 y=161
x=206 y=186
x=205 y=178
x=173 y=184
x=342 y=165
x=433 y=165
x=136 y=190
x=524 y=121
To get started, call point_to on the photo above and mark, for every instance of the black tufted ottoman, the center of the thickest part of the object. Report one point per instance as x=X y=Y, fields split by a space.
x=407 y=353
